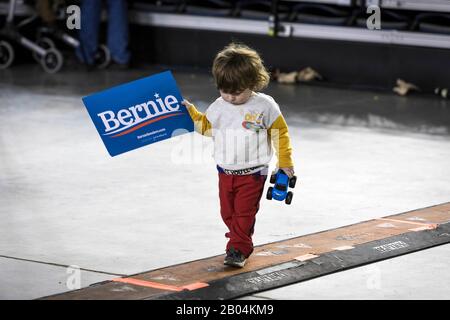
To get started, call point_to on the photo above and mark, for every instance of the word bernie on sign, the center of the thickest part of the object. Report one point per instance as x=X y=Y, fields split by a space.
x=139 y=113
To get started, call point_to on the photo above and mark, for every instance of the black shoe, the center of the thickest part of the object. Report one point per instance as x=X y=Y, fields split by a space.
x=235 y=258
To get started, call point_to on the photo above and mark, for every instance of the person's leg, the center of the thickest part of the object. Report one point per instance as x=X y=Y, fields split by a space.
x=226 y=197
x=249 y=189
x=45 y=12
x=90 y=23
x=118 y=31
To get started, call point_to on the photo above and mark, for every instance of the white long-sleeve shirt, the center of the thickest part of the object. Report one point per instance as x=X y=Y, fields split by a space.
x=242 y=134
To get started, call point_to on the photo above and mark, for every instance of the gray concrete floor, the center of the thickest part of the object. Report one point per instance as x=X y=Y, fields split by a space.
x=64 y=201
x=30 y=280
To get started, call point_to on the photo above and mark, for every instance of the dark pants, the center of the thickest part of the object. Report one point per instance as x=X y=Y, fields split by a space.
x=117 y=30
x=239 y=203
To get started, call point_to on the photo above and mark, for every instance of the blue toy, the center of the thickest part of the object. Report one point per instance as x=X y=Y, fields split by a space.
x=280 y=190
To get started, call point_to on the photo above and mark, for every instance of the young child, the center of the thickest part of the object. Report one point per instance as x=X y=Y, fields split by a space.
x=242 y=122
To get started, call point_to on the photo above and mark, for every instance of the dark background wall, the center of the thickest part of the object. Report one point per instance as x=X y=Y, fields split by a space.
x=356 y=64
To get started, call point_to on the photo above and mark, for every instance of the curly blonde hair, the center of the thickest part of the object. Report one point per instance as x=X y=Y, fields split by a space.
x=238 y=67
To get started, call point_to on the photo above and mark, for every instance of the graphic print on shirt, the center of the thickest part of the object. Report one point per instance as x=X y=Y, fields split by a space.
x=253 y=121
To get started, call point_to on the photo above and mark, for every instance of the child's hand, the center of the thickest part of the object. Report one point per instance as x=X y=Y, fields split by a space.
x=289 y=171
x=186 y=103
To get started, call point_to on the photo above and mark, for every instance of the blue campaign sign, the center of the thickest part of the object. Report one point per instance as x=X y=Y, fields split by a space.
x=139 y=113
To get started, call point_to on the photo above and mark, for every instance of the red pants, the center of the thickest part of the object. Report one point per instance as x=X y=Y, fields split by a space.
x=239 y=203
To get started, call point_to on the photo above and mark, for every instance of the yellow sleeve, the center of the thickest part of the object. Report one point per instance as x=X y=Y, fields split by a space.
x=279 y=135
x=201 y=123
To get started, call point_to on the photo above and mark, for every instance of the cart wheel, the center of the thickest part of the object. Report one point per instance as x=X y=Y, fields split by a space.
x=6 y=55
x=102 y=57
x=289 y=196
x=45 y=43
x=269 y=193
x=292 y=182
x=273 y=178
x=52 y=61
